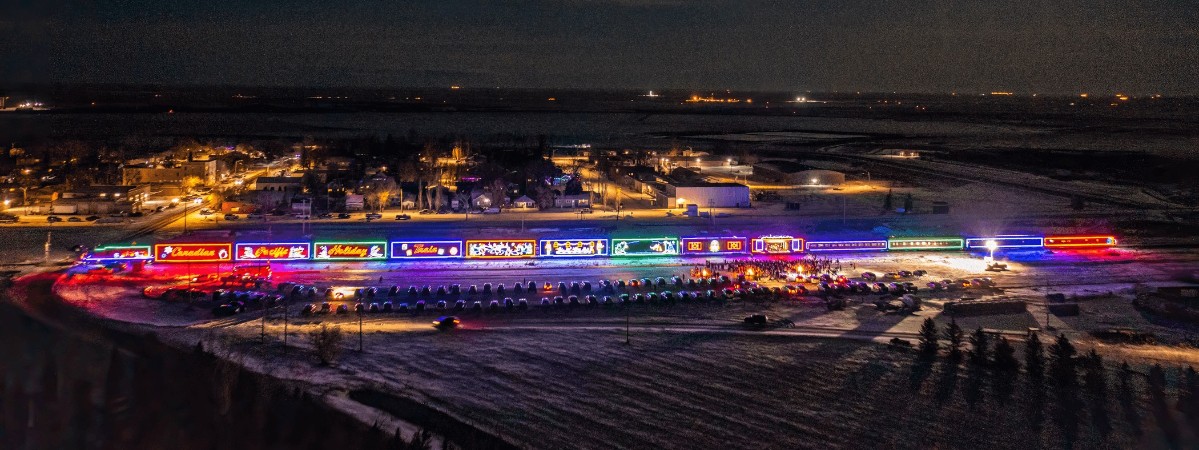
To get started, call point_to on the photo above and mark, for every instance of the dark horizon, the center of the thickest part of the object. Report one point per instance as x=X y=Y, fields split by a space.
x=1058 y=48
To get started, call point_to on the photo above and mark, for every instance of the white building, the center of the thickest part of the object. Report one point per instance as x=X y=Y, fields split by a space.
x=705 y=195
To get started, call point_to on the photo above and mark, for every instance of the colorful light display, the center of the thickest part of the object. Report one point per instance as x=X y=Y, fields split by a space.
x=574 y=247
x=193 y=252
x=1080 y=241
x=120 y=253
x=426 y=249
x=272 y=251
x=946 y=243
x=846 y=246
x=778 y=245
x=1007 y=242
x=560 y=248
x=645 y=247
x=715 y=245
x=501 y=249
x=349 y=250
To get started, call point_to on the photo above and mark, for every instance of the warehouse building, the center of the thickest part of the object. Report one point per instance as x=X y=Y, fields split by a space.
x=704 y=195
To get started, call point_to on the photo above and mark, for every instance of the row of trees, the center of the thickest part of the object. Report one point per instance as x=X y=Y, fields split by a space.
x=1057 y=367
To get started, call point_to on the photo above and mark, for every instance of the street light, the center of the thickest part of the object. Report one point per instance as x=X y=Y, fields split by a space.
x=992 y=245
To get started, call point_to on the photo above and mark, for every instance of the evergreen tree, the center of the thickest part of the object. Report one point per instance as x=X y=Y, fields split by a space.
x=1034 y=358
x=955 y=337
x=1063 y=376
x=1005 y=356
x=1128 y=397
x=928 y=339
x=1161 y=412
x=1095 y=379
x=1188 y=396
x=980 y=348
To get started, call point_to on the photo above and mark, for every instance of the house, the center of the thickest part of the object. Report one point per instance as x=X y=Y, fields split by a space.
x=524 y=202
x=482 y=200
x=573 y=201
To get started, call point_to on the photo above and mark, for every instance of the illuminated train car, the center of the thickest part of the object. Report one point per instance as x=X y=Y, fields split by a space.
x=193 y=252
x=349 y=251
x=501 y=249
x=426 y=249
x=1080 y=241
x=563 y=248
x=664 y=246
x=929 y=243
x=115 y=253
x=297 y=251
x=715 y=246
x=1006 y=242
x=778 y=245
x=847 y=246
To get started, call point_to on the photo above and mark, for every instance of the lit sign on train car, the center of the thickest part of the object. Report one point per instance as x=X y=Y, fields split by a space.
x=715 y=245
x=119 y=253
x=925 y=244
x=272 y=251
x=778 y=245
x=1080 y=241
x=846 y=246
x=193 y=252
x=574 y=247
x=349 y=250
x=426 y=249
x=1007 y=242
x=645 y=247
x=501 y=249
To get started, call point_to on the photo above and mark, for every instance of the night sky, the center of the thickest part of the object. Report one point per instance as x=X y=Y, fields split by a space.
x=1045 y=46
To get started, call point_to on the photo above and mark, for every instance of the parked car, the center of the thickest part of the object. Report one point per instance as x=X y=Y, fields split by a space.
x=402 y=217
x=230 y=216
x=255 y=216
x=74 y=219
x=226 y=310
x=324 y=216
x=53 y=219
x=343 y=216
x=756 y=321
x=446 y=322
x=373 y=216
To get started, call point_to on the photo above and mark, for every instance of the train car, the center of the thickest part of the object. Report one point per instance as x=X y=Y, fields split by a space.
x=847 y=246
x=777 y=245
x=926 y=243
x=715 y=246
x=1005 y=242
x=1080 y=241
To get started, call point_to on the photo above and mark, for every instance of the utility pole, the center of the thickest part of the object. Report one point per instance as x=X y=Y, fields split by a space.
x=47 y=254
x=262 y=327
x=286 y=300
x=360 y=330
x=626 y=323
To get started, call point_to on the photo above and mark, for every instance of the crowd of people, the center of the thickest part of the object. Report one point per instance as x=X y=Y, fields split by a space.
x=773 y=269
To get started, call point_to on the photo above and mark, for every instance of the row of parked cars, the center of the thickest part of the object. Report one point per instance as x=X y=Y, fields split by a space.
x=510 y=304
x=488 y=290
x=235 y=302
